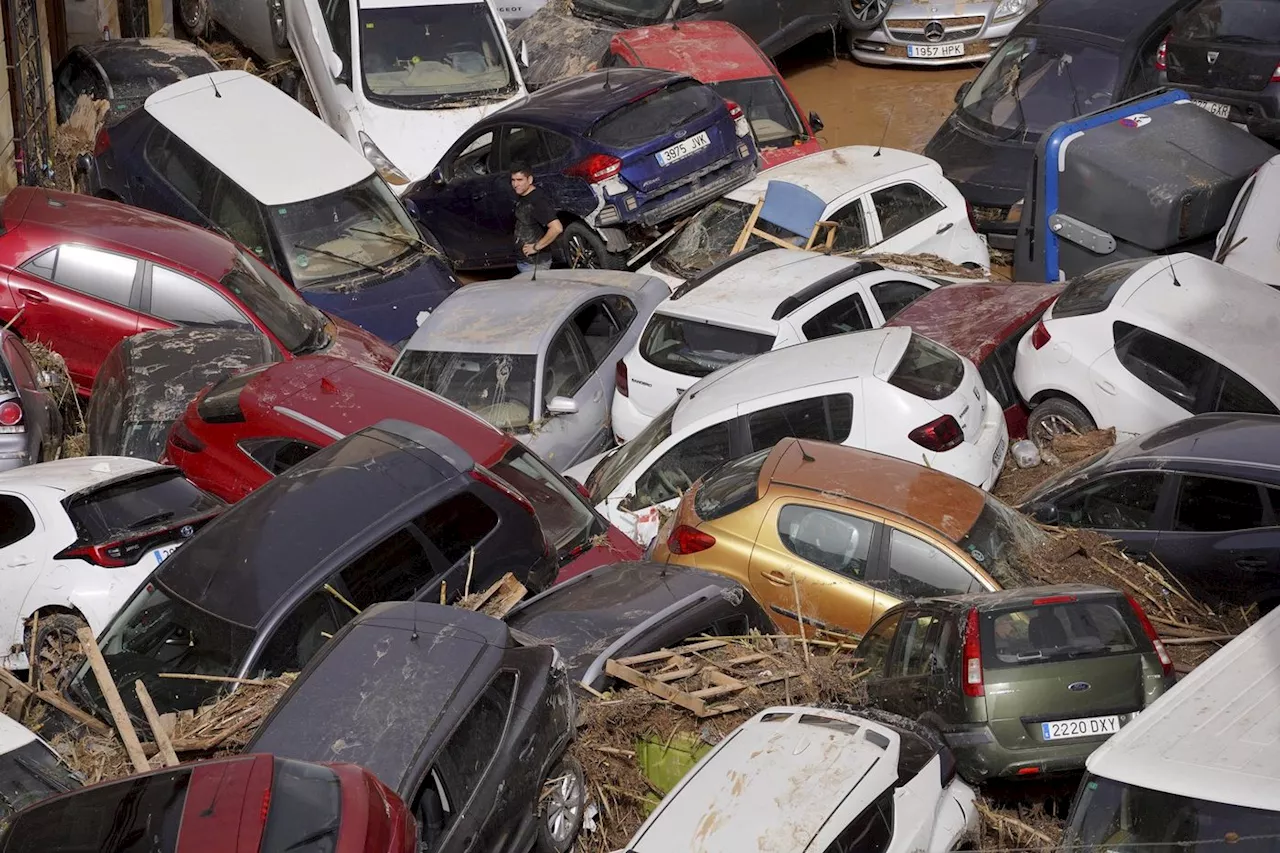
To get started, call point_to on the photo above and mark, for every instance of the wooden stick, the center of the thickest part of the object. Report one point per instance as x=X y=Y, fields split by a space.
x=225 y=679
x=115 y=705
x=804 y=641
x=31 y=655
x=471 y=564
x=1023 y=827
x=329 y=589
x=163 y=744
x=90 y=722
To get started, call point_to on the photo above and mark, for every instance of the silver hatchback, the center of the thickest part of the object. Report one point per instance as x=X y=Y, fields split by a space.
x=935 y=32
x=30 y=423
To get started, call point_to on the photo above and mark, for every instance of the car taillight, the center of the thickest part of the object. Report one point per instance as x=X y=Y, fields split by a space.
x=1162 y=56
x=1166 y=662
x=11 y=417
x=972 y=656
x=1039 y=336
x=1052 y=599
x=183 y=438
x=482 y=475
x=942 y=434
x=740 y=125
x=581 y=489
x=689 y=540
x=101 y=143
x=596 y=168
x=1275 y=75
x=620 y=379
x=973 y=219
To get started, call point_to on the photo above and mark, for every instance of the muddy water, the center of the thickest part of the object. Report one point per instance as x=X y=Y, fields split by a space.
x=857 y=102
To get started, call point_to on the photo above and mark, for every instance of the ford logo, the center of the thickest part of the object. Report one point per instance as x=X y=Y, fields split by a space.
x=681 y=133
x=186 y=531
x=1078 y=686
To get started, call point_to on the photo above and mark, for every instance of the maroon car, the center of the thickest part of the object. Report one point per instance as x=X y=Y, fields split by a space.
x=984 y=322
x=84 y=273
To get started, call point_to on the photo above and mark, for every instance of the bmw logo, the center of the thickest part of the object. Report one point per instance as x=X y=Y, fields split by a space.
x=1078 y=686
x=187 y=531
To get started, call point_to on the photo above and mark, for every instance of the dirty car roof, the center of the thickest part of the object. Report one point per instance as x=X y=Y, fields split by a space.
x=834 y=172
x=379 y=688
x=577 y=103
x=974 y=319
x=712 y=51
x=166 y=368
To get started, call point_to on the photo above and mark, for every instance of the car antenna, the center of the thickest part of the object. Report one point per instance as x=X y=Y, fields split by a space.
x=606 y=80
x=1173 y=273
x=214 y=84
x=413 y=637
x=885 y=133
x=804 y=454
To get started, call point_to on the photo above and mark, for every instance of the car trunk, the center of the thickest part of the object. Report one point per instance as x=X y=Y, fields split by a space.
x=967 y=404
x=1244 y=67
x=949 y=384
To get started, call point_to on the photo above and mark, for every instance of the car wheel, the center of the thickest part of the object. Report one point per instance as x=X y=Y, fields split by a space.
x=1057 y=416
x=863 y=15
x=194 y=17
x=585 y=249
x=563 y=805
x=279 y=32
x=57 y=650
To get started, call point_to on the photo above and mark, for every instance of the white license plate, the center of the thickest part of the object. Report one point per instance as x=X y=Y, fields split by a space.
x=161 y=553
x=934 y=51
x=683 y=149
x=1083 y=727
x=1220 y=110
x=997 y=458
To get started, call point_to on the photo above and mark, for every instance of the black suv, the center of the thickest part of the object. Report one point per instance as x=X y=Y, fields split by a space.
x=389 y=513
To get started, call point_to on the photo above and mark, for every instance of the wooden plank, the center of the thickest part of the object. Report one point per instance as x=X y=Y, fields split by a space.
x=743 y=660
x=657 y=688
x=90 y=722
x=114 y=704
x=676 y=674
x=509 y=594
x=718 y=690
x=163 y=744
x=664 y=654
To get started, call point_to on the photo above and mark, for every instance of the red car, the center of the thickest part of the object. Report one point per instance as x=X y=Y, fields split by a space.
x=984 y=322
x=724 y=57
x=84 y=273
x=240 y=433
x=244 y=803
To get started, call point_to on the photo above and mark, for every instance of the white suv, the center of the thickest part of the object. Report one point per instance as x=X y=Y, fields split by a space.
x=759 y=300
x=1139 y=344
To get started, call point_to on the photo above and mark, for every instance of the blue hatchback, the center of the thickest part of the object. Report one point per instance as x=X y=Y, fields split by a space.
x=620 y=152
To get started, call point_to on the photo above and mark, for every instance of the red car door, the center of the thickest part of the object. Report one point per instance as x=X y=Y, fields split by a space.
x=77 y=300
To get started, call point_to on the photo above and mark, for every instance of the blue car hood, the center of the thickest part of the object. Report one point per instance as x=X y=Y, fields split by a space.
x=388 y=308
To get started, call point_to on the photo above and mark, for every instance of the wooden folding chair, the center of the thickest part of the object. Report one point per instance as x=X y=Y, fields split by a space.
x=793 y=208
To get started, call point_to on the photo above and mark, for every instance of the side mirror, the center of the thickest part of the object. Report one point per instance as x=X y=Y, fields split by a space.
x=963 y=90
x=336 y=69
x=524 y=54
x=437 y=176
x=562 y=406
x=1045 y=513
x=815 y=122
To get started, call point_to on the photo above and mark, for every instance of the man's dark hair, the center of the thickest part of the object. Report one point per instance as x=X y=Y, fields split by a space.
x=522 y=169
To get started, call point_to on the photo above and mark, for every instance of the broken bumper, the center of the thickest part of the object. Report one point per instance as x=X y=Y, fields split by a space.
x=691 y=192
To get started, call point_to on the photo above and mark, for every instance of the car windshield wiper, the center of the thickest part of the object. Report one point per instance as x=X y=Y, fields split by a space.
x=355 y=263
x=152 y=519
x=313 y=836
x=404 y=241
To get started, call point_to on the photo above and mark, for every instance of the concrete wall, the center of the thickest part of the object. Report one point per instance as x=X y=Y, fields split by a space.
x=86 y=20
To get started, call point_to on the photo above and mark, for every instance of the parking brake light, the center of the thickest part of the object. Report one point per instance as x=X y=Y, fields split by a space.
x=11 y=417
x=1166 y=662
x=101 y=143
x=938 y=435
x=1162 y=56
x=595 y=169
x=973 y=683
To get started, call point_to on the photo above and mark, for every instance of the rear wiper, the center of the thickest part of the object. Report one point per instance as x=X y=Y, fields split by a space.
x=336 y=256
x=151 y=519
x=313 y=836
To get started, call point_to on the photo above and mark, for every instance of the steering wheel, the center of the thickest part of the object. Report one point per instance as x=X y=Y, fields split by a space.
x=668 y=480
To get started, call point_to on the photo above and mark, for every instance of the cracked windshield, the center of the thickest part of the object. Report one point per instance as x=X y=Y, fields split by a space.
x=497 y=387
x=361 y=229
x=432 y=56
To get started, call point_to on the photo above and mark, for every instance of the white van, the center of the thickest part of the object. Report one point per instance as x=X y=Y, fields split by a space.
x=1198 y=770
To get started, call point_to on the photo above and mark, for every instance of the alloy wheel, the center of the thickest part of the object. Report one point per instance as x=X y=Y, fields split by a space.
x=582 y=255
x=1049 y=427
x=562 y=805
x=869 y=10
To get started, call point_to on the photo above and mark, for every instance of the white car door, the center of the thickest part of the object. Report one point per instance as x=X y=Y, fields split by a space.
x=909 y=220
x=320 y=33
x=23 y=552
x=1146 y=381
x=1250 y=241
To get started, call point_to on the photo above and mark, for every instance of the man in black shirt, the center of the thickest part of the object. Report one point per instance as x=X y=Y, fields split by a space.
x=537 y=227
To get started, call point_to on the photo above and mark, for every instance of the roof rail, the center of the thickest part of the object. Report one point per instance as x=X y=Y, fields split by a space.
x=797 y=300
x=719 y=267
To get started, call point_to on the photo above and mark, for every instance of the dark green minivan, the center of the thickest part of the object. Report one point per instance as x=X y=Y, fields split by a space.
x=1021 y=683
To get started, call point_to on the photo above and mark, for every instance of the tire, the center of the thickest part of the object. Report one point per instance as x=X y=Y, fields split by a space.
x=861 y=16
x=57 y=650
x=279 y=29
x=1057 y=416
x=194 y=17
x=562 y=807
x=584 y=249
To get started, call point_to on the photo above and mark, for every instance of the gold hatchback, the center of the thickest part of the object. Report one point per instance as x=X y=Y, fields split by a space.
x=829 y=537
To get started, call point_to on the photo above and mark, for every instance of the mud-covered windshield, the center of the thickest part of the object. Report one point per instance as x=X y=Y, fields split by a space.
x=768 y=109
x=356 y=231
x=294 y=323
x=1002 y=542
x=427 y=57
x=495 y=386
x=637 y=13
x=708 y=237
x=1032 y=83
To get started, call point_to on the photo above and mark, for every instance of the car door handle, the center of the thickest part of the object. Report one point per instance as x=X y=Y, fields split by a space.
x=944 y=227
x=777 y=578
x=1252 y=564
x=1106 y=386
x=33 y=295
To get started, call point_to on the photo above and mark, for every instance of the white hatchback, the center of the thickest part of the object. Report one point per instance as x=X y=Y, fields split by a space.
x=1139 y=344
x=887 y=390
x=883 y=200
x=808 y=780
x=759 y=300
x=77 y=537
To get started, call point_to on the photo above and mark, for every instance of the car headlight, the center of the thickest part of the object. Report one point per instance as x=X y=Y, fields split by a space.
x=1010 y=8
x=381 y=163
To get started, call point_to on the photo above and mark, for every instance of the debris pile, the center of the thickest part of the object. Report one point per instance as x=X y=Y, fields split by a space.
x=74 y=137
x=1063 y=452
x=75 y=441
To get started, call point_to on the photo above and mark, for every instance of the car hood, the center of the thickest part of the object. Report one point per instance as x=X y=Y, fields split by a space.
x=389 y=308
x=986 y=171
x=561 y=45
x=355 y=344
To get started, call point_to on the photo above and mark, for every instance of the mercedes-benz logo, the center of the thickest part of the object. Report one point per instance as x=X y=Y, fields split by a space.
x=934 y=31
x=186 y=531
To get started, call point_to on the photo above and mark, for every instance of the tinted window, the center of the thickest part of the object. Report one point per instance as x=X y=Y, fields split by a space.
x=838 y=542
x=477 y=739
x=278 y=455
x=1167 y=367
x=457 y=525
x=851 y=233
x=16 y=520
x=523 y=146
x=655 y=115
x=1207 y=504
x=393 y=570
x=307 y=627
x=678 y=468
x=305 y=800
x=928 y=370
x=1093 y=291
x=918 y=569
x=870 y=832
x=1233 y=394
x=473 y=159
x=599 y=330
x=901 y=206
x=563 y=514
x=847 y=315
x=874 y=648
x=96 y=273
x=893 y=296
x=1118 y=502
x=1056 y=632
x=236 y=212
x=730 y=487
x=29 y=774
x=187 y=302
x=175 y=161
x=694 y=348
x=42 y=265
x=160 y=497
x=915 y=645
x=566 y=367
x=1233 y=21
x=822 y=418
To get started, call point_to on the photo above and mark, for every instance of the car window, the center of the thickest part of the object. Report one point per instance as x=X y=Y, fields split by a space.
x=869 y=832
x=1119 y=502
x=1234 y=394
x=1167 y=367
x=851 y=233
x=278 y=455
x=918 y=569
x=457 y=525
x=847 y=315
x=473 y=160
x=599 y=329
x=623 y=309
x=874 y=648
x=566 y=367
x=836 y=541
x=916 y=642
x=337 y=20
x=1070 y=630
x=998 y=381
x=893 y=296
x=95 y=273
x=823 y=418
x=304 y=631
x=16 y=520
x=678 y=468
x=522 y=146
x=901 y=206
x=179 y=165
x=695 y=348
x=77 y=78
x=1207 y=504
x=1229 y=233
x=187 y=302
x=395 y=569
x=237 y=213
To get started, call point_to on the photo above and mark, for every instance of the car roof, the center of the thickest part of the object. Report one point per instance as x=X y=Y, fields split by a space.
x=712 y=51
x=794 y=368
x=835 y=172
x=284 y=533
x=1212 y=736
x=518 y=315
x=1023 y=596
x=775 y=782
x=377 y=691
x=748 y=292
x=227 y=117
x=127 y=229
x=974 y=319
x=75 y=474
x=1107 y=19
x=1230 y=438
x=123 y=58
x=944 y=503
x=576 y=103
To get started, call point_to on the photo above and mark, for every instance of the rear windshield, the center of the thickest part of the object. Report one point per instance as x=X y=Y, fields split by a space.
x=295 y=323
x=565 y=517
x=6 y=381
x=1093 y=291
x=221 y=405
x=1053 y=632
x=306 y=809
x=730 y=487
x=654 y=115
x=156 y=498
x=694 y=348
x=928 y=370
x=1241 y=21
x=28 y=774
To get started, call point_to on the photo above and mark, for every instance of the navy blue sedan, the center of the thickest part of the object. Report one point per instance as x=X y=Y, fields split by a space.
x=620 y=152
